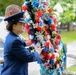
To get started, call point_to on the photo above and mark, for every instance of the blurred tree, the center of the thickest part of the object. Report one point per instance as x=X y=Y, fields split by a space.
x=5 y=3
x=69 y=14
x=68 y=6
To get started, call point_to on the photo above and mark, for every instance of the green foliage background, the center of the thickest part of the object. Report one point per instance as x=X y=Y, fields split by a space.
x=5 y=3
x=69 y=7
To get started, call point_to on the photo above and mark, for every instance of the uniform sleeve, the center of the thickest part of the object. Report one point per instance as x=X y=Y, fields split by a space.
x=22 y=53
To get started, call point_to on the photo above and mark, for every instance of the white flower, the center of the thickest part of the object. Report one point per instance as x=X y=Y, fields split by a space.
x=31 y=37
x=40 y=37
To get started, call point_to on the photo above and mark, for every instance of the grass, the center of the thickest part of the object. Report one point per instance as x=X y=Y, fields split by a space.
x=68 y=36
x=73 y=68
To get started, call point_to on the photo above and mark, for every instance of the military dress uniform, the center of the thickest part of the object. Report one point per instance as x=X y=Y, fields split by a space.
x=16 y=56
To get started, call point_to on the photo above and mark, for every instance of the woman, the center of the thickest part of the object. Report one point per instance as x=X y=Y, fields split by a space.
x=16 y=56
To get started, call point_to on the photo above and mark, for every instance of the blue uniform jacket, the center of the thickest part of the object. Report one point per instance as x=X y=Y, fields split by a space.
x=16 y=56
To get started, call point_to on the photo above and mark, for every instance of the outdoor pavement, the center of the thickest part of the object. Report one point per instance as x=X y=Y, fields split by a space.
x=71 y=54
x=34 y=68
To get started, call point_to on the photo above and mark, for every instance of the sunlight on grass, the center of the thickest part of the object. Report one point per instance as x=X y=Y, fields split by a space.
x=68 y=36
x=73 y=68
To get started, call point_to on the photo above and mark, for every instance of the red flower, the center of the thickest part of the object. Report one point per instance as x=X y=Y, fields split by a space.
x=37 y=20
x=57 y=41
x=44 y=53
x=39 y=13
x=53 y=26
x=48 y=56
x=57 y=31
x=50 y=10
x=59 y=37
x=39 y=28
x=46 y=28
x=47 y=44
x=28 y=31
x=53 y=56
x=52 y=17
x=55 y=21
x=24 y=8
x=26 y=26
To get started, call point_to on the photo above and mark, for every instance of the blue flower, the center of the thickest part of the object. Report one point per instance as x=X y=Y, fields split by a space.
x=46 y=49
x=40 y=23
x=50 y=20
x=35 y=3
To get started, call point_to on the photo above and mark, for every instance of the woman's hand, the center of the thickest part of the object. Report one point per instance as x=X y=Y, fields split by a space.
x=39 y=49
x=28 y=42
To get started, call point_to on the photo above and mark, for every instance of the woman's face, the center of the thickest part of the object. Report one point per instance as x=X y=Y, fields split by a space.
x=18 y=28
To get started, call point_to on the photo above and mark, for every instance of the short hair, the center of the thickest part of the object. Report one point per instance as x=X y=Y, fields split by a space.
x=12 y=7
x=10 y=24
